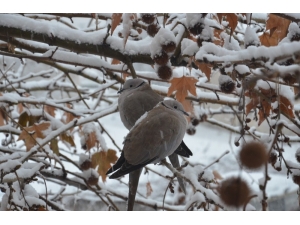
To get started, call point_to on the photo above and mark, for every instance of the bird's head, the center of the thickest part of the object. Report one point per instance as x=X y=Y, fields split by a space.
x=133 y=84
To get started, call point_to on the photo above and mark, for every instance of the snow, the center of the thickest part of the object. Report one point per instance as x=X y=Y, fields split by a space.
x=193 y=18
x=9 y=165
x=213 y=52
x=224 y=79
x=163 y=37
x=251 y=37
x=22 y=173
x=242 y=69
x=229 y=42
x=188 y=47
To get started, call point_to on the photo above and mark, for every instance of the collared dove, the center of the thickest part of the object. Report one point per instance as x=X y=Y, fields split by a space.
x=155 y=136
x=136 y=98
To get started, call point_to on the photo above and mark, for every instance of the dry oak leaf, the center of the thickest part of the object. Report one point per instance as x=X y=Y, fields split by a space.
x=204 y=68
x=115 y=21
x=104 y=160
x=30 y=134
x=182 y=85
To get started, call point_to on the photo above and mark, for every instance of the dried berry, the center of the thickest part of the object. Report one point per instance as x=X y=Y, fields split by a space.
x=86 y=165
x=273 y=158
x=247 y=127
x=286 y=139
x=297 y=155
x=234 y=192
x=296 y=179
x=191 y=131
x=152 y=29
x=278 y=168
x=197 y=28
x=253 y=155
x=169 y=47
x=227 y=85
x=161 y=59
x=194 y=121
x=237 y=144
x=164 y=72
x=248 y=120
x=148 y=18
x=93 y=180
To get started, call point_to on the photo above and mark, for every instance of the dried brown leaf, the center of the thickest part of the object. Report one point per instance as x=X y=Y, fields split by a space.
x=217 y=38
x=50 y=110
x=232 y=20
x=182 y=86
x=286 y=107
x=268 y=40
x=54 y=146
x=204 y=68
x=149 y=189
x=104 y=160
x=278 y=25
x=68 y=117
x=67 y=139
x=115 y=21
x=91 y=140
x=30 y=134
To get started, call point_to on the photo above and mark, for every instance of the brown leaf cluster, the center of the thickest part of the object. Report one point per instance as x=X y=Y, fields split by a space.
x=104 y=160
x=182 y=86
x=262 y=100
x=30 y=134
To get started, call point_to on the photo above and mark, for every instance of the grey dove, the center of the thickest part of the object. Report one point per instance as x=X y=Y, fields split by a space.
x=156 y=135
x=136 y=98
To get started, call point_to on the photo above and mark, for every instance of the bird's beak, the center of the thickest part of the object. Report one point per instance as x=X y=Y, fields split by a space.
x=120 y=91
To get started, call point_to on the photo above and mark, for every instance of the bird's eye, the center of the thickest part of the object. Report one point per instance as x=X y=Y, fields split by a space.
x=130 y=85
x=175 y=106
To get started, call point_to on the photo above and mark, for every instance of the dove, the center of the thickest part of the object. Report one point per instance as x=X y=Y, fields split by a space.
x=136 y=98
x=156 y=135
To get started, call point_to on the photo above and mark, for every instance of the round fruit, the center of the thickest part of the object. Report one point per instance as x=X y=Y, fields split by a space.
x=93 y=180
x=148 y=18
x=253 y=155
x=164 y=72
x=86 y=165
x=169 y=47
x=234 y=192
x=152 y=29
x=161 y=59
x=194 y=121
x=191 y=131
x=227 y=87
x=197 y=28
x=296 y=179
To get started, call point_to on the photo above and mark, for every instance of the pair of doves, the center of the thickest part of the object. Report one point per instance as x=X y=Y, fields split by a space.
x=157 y=127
